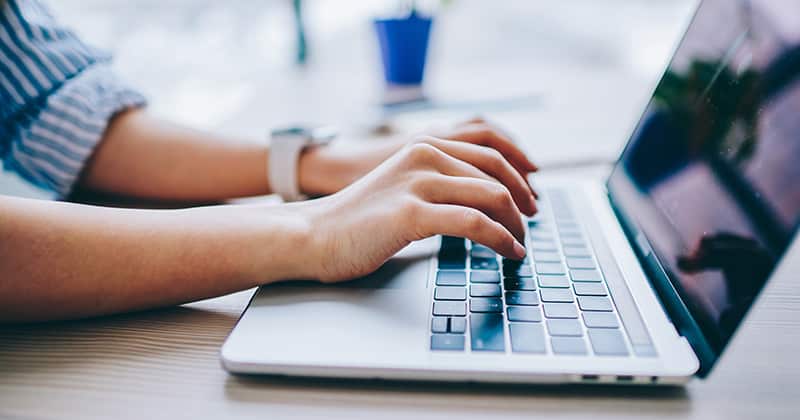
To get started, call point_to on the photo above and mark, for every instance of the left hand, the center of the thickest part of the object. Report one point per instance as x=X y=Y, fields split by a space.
x=328 y=169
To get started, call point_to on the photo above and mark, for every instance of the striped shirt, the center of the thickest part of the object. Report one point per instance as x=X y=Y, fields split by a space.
x=57 y=96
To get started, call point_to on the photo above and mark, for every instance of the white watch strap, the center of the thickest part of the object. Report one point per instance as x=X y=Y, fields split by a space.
x=284 y=154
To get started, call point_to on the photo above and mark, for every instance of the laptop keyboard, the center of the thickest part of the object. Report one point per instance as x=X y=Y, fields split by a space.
x=553 y=302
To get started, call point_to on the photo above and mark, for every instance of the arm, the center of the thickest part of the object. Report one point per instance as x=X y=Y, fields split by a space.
x=144 y=157
x=63 y=260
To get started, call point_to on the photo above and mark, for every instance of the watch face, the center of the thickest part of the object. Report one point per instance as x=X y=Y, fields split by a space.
x=323 y=134
x=313 y=134
x=292 y=131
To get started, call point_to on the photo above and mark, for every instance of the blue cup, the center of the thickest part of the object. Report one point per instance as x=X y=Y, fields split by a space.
x=404 y=46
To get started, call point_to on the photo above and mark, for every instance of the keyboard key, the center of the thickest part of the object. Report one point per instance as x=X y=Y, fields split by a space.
x=487 y=332
x=522 y=283
x=577 y=251
x=595 y=303
x=600 y=320
x=549 y=268
x=569 y=231
x=450 y=293
x=480 y=251
x=585 y=275
x=560 y=310
x=447 y=342
x=544 y=246
x=580 y=263
x=507 y=261
x=537 y=221
x=524 y=298
x=484 y=277
x=439 y=324
x=458 y=325
x=557 y=295
x=567 y=224
x=564 y=327
x=524 y=314
x=606 y=342
x=517 y=271
x=450 y=262
x=563 y=215
x=545 y=256
x=485 y=290
x=568 y=345
x=452 y=253
x=452 y=243
x=527 y=338
x=485 y=305
x=484 y=264
x=446 y=308
x=451 y=278
x=553 y=281
x=589 y=289
x=541 y=235
x=573 y=241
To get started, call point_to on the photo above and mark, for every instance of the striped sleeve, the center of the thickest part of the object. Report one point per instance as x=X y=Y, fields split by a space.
x=57 y=96
x=51 y=149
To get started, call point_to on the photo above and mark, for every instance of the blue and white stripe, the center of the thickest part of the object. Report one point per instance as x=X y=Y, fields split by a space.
x=56 y=97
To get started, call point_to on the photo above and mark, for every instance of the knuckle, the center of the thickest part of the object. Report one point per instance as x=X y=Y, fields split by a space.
x=472 y=219
x=495 y=158
x=424 y=139
x=410 y=209
x=420 y=183
x=420 y=153
x=501 y=195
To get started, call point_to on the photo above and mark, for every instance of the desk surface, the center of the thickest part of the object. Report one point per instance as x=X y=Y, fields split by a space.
x=165 y=363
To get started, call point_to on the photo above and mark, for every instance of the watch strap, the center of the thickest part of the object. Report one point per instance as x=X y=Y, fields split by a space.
x=284 y=156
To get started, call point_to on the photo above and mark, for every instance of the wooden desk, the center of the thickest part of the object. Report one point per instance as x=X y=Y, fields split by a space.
x=164 y=364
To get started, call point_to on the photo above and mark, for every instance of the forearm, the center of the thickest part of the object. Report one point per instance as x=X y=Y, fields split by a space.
x=141 y=156
x=60 y=260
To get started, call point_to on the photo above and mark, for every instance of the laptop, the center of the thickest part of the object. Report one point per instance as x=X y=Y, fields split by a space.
x=639 y=278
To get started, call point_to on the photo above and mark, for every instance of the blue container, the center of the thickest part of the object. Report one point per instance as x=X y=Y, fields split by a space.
x=404 y=46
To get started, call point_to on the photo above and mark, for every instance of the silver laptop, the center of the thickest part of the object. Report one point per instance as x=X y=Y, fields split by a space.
x=639 y=278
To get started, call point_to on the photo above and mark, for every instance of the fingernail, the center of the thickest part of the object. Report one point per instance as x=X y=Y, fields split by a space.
x=519 y=250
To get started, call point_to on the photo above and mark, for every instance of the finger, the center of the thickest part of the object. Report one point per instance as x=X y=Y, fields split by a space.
x=488 y=135
x=466 y=222
x=492 y=163
x=489 y=197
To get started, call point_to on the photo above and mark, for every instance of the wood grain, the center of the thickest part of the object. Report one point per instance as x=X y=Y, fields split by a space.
x=164 y=364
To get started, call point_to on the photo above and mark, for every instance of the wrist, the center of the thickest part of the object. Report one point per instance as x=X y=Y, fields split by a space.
x=268 y=244
x=320 y=171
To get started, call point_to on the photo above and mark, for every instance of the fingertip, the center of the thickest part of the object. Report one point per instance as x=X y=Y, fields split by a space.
x=519 y=250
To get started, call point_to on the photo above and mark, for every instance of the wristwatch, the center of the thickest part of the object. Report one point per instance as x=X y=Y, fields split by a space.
x=286 y=145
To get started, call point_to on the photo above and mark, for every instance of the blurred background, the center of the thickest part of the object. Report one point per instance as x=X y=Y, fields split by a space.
x=567 y=78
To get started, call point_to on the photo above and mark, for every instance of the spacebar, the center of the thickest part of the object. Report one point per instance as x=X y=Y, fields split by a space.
x=628 y=312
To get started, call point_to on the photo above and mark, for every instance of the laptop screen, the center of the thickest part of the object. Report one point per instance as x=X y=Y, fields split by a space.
x=711 y=175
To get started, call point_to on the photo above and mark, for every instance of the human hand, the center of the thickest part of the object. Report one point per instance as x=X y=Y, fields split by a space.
x=325 y=170
x=431 y=187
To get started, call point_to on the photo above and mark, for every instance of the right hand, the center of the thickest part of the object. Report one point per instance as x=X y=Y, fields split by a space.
x=431 y=187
